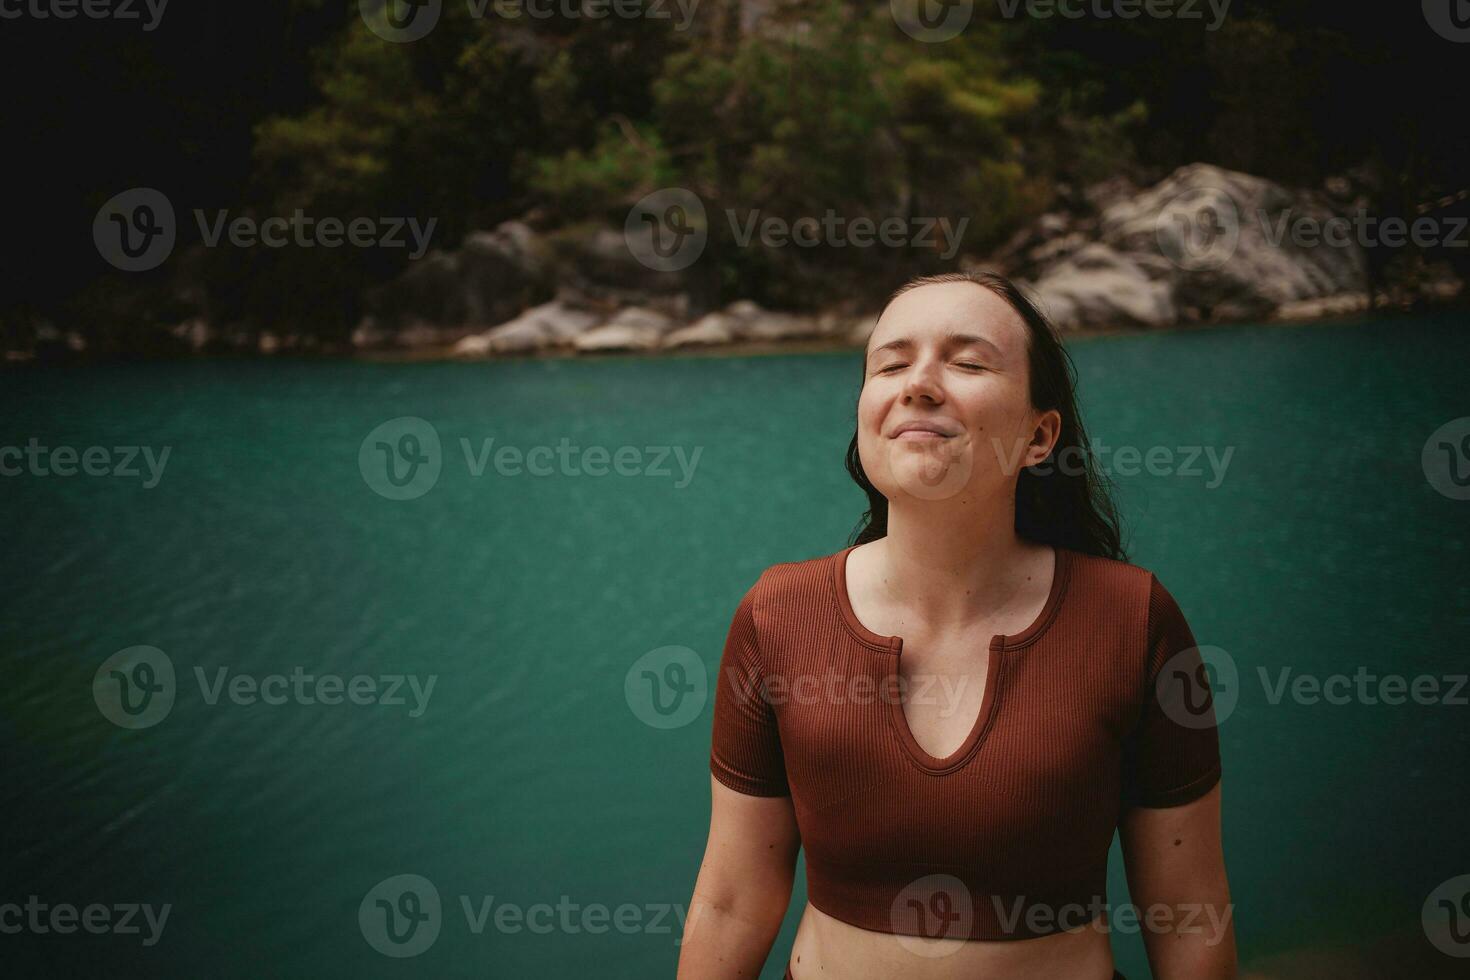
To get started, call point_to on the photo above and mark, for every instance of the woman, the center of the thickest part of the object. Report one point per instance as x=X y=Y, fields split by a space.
x=954 y=714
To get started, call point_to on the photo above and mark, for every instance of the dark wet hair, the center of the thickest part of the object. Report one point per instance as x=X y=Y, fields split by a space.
x=1066 y=507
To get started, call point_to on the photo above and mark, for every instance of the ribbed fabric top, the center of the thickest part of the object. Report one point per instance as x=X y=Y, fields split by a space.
x=1007 y=837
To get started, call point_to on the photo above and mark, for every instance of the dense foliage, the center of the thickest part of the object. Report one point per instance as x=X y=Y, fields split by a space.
x=264 y=108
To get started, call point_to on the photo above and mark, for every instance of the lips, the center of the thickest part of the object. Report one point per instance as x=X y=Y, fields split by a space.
x=927 y=429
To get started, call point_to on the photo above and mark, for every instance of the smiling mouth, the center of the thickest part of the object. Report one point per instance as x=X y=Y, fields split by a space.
x=922 y=434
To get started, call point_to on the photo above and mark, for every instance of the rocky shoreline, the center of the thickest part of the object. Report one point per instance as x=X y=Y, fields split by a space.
x=1202 y=246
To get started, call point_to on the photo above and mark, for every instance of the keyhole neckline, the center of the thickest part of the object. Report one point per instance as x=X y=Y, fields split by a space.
x=994 y=679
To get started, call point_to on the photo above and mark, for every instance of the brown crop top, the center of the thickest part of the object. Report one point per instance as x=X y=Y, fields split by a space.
x=1008 y=837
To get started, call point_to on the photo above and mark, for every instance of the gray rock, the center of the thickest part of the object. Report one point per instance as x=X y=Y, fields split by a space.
x=712 y=328
x=1311 y=309
x=780 y=326
x=493 y=275
x=635 y=328
x=548 y=325
x=746 y=320
x=598 y=262
x=1205 y=243
x=1098 y=285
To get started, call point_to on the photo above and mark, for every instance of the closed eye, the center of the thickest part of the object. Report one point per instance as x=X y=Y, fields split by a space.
x=970 y=364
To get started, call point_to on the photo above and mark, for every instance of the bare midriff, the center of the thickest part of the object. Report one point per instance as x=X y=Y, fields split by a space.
x=829 y=947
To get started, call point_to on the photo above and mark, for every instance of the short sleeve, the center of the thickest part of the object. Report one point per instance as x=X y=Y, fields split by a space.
x=1172 y=756
x=745 y=746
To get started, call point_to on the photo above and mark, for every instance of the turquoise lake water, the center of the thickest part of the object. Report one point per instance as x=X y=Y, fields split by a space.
x=528 y=775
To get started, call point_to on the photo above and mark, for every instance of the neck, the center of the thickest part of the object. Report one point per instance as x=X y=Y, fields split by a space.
x=954 y=571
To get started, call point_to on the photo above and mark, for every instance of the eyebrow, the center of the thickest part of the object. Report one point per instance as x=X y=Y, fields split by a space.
x=950 y=339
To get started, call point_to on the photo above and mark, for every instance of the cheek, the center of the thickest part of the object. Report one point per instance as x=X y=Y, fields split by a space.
x=871 y=408
x=994 y=410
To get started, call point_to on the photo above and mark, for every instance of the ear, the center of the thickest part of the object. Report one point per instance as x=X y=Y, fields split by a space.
x=1043 y=437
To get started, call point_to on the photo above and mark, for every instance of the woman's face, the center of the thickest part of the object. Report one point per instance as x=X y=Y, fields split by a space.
x=951 y=359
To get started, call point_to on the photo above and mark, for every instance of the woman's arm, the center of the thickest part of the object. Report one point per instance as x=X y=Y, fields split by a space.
x=743 y=888
x=1176 y=874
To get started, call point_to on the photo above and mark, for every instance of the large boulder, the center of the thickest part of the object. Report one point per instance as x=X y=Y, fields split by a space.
x=1098 y=285
x=1203 y=244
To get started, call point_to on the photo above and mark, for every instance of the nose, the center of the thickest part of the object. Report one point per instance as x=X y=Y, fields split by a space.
x=923 y=382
